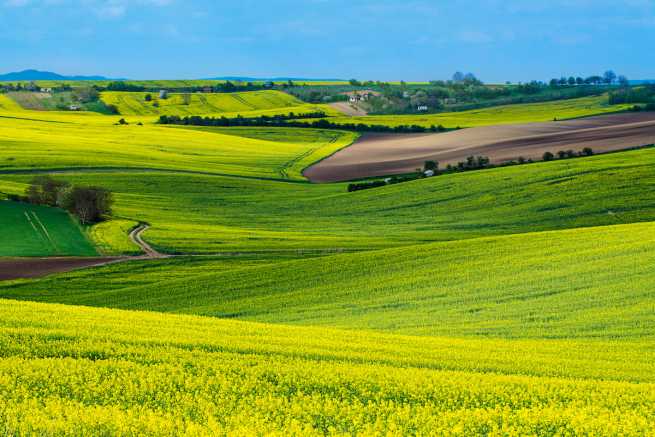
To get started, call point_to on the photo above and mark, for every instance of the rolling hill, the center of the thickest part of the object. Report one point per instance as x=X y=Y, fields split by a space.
x=199 y=213
x=251 y=103
x=70 y=369
x=506 y=301
x=31 y=75
x=508 y=114
x=29 y=230
x=581 y=283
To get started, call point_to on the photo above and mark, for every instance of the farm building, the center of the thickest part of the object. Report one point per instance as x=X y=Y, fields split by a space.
x=46 y=90
x=163 y=94
x=428 y=173
x=359 y=96
x=74 y=108
x=422 y=108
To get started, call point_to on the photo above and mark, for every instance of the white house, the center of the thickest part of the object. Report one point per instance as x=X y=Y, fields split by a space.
x=46 y=90
x=422 y=108
x=74 y=108
x=163 y=94
x=428 y=173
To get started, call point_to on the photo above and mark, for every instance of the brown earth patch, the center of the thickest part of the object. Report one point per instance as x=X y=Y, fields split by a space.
x=349 y=109
x=23 y=268
x=387 y=154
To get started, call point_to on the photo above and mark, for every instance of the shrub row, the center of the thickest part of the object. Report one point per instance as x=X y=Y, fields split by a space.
x=291 y=120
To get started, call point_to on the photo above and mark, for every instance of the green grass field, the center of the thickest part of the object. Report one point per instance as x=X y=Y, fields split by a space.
x=508 y=301
x=55 y=141
x=252 y=103
x=193 y=213
x=29 y=230
x=582 y=283
x=509 y=114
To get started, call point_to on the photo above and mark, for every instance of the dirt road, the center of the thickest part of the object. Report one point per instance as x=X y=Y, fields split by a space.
x=386 y=154
x=136 y=237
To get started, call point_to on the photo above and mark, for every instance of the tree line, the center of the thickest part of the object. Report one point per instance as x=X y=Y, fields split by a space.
x=89 y=204
x=293 y=120
x=608 y=78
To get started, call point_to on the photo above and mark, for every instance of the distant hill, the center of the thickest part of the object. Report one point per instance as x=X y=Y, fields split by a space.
x=642 y=81
x=272 y=79
x=44 y=75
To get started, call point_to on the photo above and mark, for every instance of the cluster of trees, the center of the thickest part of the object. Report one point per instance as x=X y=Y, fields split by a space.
x=608 y=78
x=294 y=120
x=464 y=91
x=223 y=87
x=563 y=154
x=89 y=204
x=642 y=94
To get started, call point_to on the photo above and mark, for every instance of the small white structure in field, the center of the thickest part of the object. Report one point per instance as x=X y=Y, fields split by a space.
x=428 y=173
x=422 y=108
x=46 y=90
x=405 y=94
x=163 y=94
x=74 y=108
x=387 y=181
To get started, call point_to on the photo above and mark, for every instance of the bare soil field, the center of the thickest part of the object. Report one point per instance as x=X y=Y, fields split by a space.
x=349 y=109
x=20 y=268
x=387 y=154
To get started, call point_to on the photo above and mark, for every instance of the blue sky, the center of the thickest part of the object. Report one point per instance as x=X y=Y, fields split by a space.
x=382 y=39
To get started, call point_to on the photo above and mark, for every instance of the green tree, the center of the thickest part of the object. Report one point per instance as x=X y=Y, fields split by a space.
x=431 y=165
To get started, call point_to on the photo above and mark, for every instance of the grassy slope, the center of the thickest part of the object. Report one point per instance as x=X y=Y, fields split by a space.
x=94 y=141
x=88 y=371
x=521 y=113
x=250 y=103
x=195 y=213
x=587 y=283
x=8 y=105
x=28 y=230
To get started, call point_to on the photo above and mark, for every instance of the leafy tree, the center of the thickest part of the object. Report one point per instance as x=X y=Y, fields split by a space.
x=148 y=97
x=458 y=77
x=431 y=165
x=44 y=190
x=89 y=204
x=587 y=151
x=548 y=156
x=609 y=77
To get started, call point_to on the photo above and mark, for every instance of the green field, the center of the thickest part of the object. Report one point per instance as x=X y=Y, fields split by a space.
x=71 y=370
x=194 y=213
x=58 y=141
x=509 y=301
x=563 y=284
x=509 y=114
x=29 y=230
x=251 y=103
